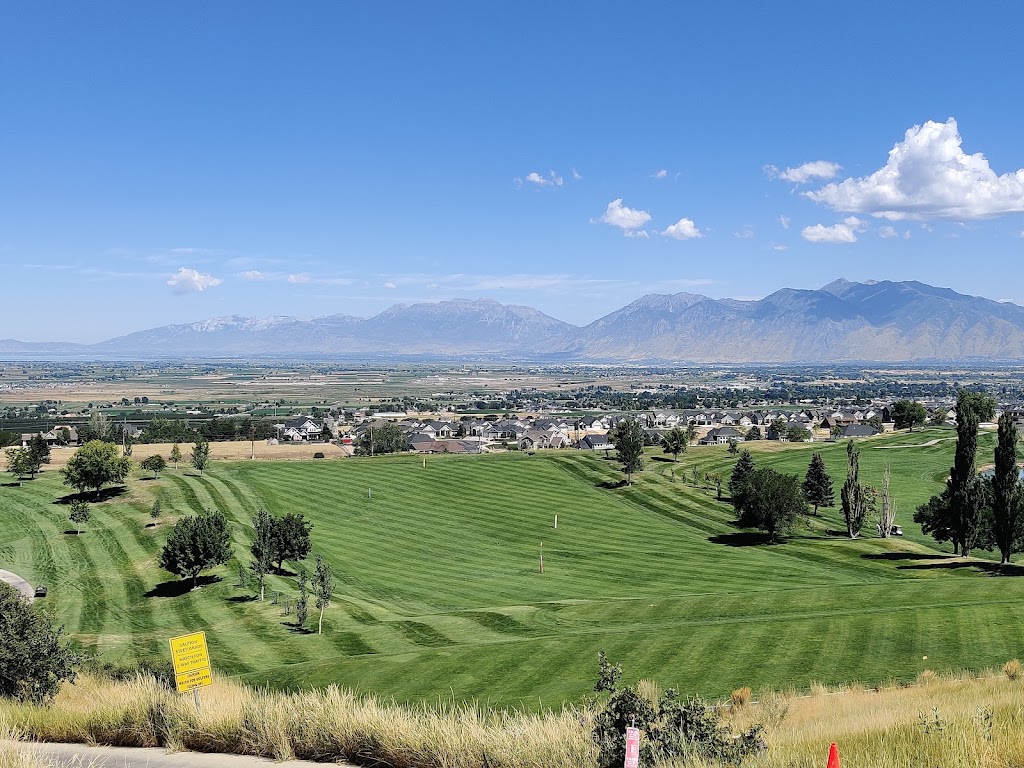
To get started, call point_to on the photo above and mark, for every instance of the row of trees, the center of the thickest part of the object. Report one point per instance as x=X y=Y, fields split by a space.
x=198 y=543
x=975 y=511
x=97 y=463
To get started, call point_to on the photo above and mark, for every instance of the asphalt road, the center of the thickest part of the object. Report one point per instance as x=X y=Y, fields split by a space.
x=18 y=583
x=82 y=756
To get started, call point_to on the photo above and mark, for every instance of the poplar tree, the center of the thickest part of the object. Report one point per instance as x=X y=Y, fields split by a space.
x=855 y=502
x=1007 y=517
x=262 y=549
x=818 y=485
x=323 y=585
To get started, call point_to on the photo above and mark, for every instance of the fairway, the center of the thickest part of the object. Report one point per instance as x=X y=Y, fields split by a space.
x=438 y=591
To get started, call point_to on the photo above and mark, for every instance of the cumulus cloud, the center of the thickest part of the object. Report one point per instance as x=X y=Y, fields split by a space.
x=928 y=175
x=745 y=233
x=389 y=285
x=551 y=180
x=299 y=278
x=801 y=174
x=662 y=174
x=844 y=232
x=187 y=280
x=889 y=232
x=684 y=229
x=622 y=217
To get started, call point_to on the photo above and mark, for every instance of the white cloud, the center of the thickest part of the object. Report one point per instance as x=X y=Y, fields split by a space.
x=576 y=175
x=253 y=274
x=844 y=232
x=551 y=180
x=662 y=174
x=745 y=233
x=192 y=281
x=779 y=247
x=299 y=278
x=389 y=285
x=684 y=229
x=1021 y=233
x=801 y=174
x=784 y=221
x=928 y=176
x=640 y=233
x=889 y=232
x=622 y=217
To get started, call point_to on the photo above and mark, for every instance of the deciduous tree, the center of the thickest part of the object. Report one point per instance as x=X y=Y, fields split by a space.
x=323 y=586
x=1007 y=501
x=34 y=659
x=80 y=514
x=262 y=548
x=94 y=465
x=855 y=503
x=175 y=454
x=289 y=537
x=196 y=544
x=907 y=414
x=20 y=462
x=675 y=442
x=200 y=456
x=774 y=501
x=155 y=464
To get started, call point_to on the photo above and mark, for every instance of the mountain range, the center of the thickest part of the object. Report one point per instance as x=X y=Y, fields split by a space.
x=843 y=321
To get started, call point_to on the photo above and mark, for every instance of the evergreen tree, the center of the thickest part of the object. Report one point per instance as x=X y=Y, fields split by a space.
x=628 y=438
x=818 y=484
x=855 y=502
x=739 y=483
x=1007 y=501
x=966 y=489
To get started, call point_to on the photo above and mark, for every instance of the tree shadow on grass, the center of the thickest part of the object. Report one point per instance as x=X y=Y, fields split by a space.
x=73 y=532
x=663 y=459
x=612 y=484
x=179 y=587
x=991 y=569
x=15 y=484
x=904 y=556
x=94 y=497
x=242 y=599
x=741 y=539
x=294 y=627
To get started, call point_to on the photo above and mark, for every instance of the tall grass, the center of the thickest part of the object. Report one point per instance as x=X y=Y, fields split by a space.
x=327 y=725
x=952 y=722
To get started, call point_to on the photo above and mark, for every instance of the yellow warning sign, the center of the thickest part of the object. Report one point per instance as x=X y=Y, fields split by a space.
x=191 y=661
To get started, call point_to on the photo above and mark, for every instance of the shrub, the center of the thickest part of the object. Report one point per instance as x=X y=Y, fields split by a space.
x=926 y=677
x=740 y=698
x=1012 y=669
x=34 y=661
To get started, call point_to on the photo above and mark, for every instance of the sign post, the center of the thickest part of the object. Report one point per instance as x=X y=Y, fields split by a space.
x=191 y=663
x=632 y=748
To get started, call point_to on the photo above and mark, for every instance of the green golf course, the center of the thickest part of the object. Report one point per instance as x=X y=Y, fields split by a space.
x=438 y=592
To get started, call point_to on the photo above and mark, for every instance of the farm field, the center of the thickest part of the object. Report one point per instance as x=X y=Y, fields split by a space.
x=438 y=594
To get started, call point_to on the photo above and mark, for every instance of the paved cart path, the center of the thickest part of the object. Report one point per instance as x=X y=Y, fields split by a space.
x=18 y=583
x=139 y=757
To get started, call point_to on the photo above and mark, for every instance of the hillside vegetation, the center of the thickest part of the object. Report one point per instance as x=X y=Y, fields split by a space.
x=438 y=592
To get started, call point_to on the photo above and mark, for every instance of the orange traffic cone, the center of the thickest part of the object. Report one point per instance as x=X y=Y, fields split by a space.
x=833 y=756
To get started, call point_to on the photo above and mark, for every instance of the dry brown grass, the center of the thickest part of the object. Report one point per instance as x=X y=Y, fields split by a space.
x=325 y=725
x=1012 y=669
x=740 y=698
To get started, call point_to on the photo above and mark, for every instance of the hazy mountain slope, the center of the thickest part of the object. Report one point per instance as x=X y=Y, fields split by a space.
x=843 y=321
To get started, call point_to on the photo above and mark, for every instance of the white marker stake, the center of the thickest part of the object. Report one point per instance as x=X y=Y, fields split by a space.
x=556 y=521
x=542 y=557
x=369 y=493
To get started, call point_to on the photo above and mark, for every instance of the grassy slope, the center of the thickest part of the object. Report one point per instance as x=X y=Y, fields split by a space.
x=437 y=590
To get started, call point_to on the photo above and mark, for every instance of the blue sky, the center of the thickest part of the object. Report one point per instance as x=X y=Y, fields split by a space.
x=172 y=162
